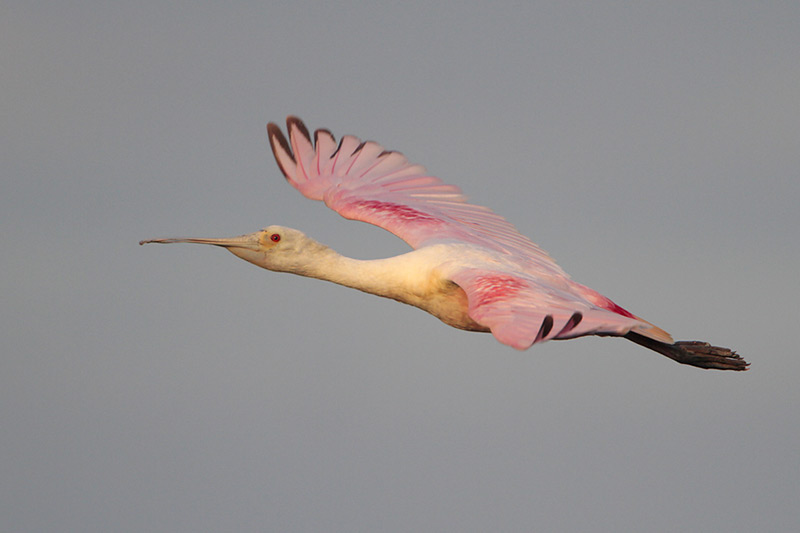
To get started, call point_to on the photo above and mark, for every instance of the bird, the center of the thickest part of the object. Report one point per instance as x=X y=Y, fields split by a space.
x=468 y=266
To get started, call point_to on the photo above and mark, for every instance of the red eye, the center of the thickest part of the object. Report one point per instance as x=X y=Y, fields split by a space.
x=275 y=237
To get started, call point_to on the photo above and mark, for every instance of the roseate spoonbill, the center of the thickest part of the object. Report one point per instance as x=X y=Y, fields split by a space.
x=470 y=267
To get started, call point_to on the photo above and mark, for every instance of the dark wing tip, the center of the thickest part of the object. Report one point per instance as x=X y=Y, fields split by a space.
x=322 y=131
x=571 y=324
x=277 y=141
x=293 y=122
x=544 y=330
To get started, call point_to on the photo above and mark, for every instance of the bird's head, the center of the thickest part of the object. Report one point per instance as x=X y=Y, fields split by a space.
x=274 y=247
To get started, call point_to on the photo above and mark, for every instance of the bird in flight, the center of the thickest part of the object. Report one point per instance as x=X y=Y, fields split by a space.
x=469 y=267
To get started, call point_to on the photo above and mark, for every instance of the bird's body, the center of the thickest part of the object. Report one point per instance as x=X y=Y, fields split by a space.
x=419 y=278
x=470 y=268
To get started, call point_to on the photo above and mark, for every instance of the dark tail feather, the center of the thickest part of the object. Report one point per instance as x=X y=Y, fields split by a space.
x=695 y=353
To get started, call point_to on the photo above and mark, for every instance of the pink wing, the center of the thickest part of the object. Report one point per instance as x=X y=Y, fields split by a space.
x=522 y=310
x=363 y=181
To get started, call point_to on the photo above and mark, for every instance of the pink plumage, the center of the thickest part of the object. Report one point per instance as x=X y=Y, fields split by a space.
x=470 y=268
x=514 y=288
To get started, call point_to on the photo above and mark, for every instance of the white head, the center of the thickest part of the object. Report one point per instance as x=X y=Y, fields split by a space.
x=274 y=248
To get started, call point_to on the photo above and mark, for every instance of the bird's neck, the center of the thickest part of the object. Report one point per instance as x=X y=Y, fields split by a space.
x=400 y=278
x=416 y=278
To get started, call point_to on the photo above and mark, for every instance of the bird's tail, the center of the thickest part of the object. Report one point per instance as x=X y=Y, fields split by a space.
x=695 y=353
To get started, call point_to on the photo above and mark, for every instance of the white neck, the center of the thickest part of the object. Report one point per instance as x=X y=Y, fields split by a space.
x=416 y=278
x=400 y=278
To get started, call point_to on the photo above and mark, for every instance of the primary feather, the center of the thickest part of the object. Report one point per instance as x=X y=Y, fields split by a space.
x=470 y=267
x=512 y=286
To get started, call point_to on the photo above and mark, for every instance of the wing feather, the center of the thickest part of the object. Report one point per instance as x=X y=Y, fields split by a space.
x=534 y=302
x=521 y=310
x=363 y=181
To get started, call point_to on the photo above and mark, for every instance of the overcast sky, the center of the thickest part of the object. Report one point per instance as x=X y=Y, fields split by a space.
x=652 y=148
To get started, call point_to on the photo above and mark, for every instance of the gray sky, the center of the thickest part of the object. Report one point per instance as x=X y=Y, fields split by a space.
x=653 y=150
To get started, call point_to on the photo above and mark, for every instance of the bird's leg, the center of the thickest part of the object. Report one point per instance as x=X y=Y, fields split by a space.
x=694 y=353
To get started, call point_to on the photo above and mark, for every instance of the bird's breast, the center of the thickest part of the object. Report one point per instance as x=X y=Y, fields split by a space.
x=422 y=278
x=448 y=302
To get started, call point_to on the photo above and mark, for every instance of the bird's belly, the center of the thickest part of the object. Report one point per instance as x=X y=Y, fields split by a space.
x=451 y=307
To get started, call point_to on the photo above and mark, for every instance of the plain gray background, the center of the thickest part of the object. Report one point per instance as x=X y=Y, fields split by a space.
x=652 y=148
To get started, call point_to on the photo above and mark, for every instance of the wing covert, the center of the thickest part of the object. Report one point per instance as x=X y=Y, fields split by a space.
x=521 y=311
x=363 y=181
x=524 y=297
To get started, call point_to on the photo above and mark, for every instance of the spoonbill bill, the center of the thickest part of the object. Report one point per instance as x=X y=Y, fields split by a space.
x=469 y=267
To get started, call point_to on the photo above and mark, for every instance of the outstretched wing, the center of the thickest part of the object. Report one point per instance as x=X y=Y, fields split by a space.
x=363 y=181
x=521 y=310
